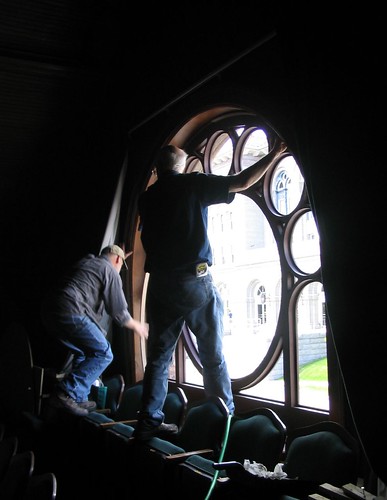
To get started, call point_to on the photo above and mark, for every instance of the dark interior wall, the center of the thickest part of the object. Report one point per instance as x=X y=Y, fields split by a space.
x=56 y=204
x=66 y=106
x=63 y=142
x=63 y=220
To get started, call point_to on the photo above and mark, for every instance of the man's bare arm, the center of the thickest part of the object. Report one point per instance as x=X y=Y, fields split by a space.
x=246 y=178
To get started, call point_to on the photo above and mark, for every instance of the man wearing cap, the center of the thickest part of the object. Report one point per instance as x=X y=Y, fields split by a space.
x=73 y=314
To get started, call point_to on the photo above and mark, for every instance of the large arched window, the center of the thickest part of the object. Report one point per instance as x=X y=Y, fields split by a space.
x=267 y=268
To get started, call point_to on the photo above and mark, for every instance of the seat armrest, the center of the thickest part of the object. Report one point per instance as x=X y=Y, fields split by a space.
x=179 y=457
x=105 y=411
x=114 y=422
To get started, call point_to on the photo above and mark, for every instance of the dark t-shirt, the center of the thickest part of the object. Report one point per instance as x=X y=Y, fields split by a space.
x=92 y=287
x=174 y=218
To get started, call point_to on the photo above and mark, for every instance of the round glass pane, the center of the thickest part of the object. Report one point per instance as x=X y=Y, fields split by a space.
x=194 y=165
x=286 y=186
x=305 y=244
x=221 y=155
x=254 y=148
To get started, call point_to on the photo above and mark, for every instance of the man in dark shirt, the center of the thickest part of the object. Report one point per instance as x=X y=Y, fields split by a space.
x=173 y=223
x=73 y=312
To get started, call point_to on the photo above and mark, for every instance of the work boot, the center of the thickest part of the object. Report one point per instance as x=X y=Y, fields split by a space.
x=145 y=430
x=62 y=401
x=88 y=405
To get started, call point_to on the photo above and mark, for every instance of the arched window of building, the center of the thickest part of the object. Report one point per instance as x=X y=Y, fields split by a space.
x=267 y=268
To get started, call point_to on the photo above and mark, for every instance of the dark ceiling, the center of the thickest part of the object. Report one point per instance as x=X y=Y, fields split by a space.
x=62 y=58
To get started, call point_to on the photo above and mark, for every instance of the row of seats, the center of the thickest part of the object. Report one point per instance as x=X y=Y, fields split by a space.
x=99 y=455
x=320 y=453
x=206 y=458
x=18 y=478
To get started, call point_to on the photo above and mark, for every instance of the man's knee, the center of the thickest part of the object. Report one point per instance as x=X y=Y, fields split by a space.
x=109 y=356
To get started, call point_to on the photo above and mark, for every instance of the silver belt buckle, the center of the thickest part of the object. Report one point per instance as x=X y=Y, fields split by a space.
x=201 y=269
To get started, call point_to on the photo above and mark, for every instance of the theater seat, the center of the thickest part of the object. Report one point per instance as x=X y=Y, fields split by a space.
x=258 y=435
x=41 y=486
x=19 y=471
x=202 y=433
x=324 y=452
x=110 y=435
x=8 y=448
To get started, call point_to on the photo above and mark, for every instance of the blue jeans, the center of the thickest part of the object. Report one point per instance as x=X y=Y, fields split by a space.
x=172 y=299
x=91 y=350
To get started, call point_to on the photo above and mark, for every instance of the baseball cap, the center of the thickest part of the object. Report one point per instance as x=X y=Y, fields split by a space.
x=116 y=250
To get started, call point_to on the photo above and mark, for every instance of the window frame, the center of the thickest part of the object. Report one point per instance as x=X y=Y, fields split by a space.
x=193 y=134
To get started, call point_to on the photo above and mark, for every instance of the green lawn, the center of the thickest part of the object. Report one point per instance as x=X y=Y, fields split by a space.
x=315 y=371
